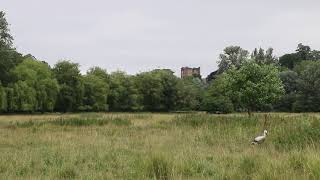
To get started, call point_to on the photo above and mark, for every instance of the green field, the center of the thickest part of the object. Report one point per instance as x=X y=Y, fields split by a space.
x=159 y=146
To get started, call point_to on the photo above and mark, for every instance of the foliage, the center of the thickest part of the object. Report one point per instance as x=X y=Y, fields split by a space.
x=261 y=57
x=95 y=93
x=31 y=85
x=99 y=72
x=216 y=98
x=308 y=95
x=158 y=89
x=289 y=60
x=38 y=77
x=124 y=95
x=169 y=82
x=71 y=86
x=218 y=104
x=189 y=94
x=290 y=83
x=302 y=53
x=5 y=36
x=254 y=86
x=289 y=79
x=24 y=97
x=151 y=90
x=232 y=56
x=9 y=58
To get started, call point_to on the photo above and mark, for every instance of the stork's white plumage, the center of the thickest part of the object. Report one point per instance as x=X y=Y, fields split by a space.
x=260 y=139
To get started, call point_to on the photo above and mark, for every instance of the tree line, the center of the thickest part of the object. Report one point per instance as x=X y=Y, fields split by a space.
x=244 y=81
x=262 y=82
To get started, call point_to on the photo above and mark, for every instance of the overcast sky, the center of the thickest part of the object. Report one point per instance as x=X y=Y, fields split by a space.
x=140 y=35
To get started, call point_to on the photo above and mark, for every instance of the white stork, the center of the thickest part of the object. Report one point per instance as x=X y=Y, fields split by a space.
x=260 y=139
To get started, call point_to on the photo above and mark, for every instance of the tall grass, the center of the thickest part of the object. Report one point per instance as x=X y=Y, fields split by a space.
x=160 y=146
x=159 y=167
x=85 y=121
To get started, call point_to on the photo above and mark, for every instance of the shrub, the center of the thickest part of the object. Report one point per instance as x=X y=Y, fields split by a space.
x=218 y=104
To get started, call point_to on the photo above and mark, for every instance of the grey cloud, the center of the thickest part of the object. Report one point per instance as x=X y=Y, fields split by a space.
x=141 y=35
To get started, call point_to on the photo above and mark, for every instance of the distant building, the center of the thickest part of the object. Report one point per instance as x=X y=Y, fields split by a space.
x=187 y=72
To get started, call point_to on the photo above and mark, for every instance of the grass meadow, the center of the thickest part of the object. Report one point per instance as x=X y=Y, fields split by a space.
x=159 y=146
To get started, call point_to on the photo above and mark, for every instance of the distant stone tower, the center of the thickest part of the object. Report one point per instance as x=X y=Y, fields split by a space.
x=187 y=72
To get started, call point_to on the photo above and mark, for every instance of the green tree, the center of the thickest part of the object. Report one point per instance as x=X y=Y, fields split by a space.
x=314 y=55
x=232 y=56
x=9 y=58
x=308 y=94
x=190 y=94
x=169 y=83
x=255 y=85
x=71 y=86
x=217 y=98
x=23 y=97
x=289 y=79
x=38 y=76
x=47 y=93
x=151 y=89
x=261 y=57
x=159 y=90
x=124 y=95
x=99 y=72
x=289 y=60
x=5 y=36
x=302 y=53
x=96 y=90
x=95 y=93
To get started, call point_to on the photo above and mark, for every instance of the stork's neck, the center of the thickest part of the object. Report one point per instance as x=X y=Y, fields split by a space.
x=264 y=134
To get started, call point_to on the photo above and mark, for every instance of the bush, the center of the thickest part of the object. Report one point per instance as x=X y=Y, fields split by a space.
x=220 y=104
